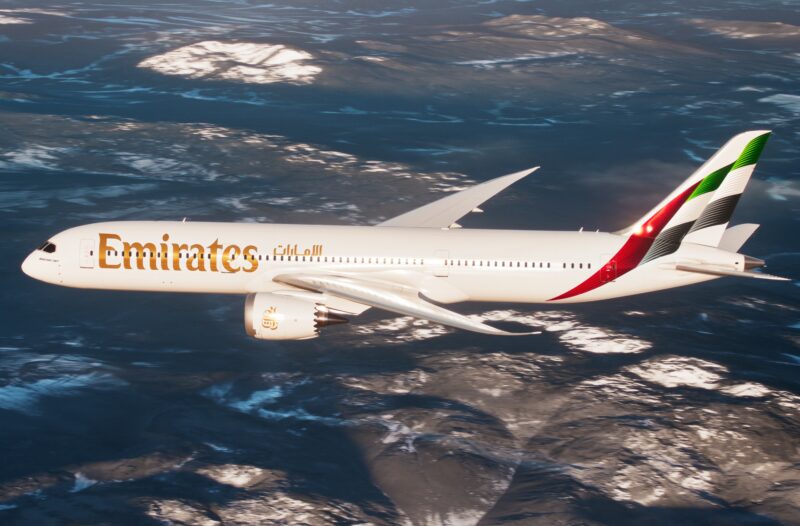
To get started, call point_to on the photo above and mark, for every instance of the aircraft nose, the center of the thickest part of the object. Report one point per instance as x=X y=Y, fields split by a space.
x=29 y=266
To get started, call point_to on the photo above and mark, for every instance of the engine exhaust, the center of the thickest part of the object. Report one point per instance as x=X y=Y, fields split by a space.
x=325 y=317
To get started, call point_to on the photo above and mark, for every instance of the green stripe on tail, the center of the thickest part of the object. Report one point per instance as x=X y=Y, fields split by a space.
x=711 y=182
x=751 y=152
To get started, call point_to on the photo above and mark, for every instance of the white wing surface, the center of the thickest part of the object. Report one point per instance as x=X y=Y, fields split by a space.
x=446 y=211
x=387 y=296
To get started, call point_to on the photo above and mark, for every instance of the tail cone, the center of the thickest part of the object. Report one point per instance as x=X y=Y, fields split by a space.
x=751 y=263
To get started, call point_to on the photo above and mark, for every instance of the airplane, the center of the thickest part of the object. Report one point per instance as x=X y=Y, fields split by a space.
x=298 y=279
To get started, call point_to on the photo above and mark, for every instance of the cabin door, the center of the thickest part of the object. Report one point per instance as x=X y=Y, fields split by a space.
x=442 y=264
x=86 y=256
x=609 y=271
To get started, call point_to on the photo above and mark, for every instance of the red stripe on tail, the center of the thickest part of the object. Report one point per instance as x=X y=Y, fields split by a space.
x=634 y=249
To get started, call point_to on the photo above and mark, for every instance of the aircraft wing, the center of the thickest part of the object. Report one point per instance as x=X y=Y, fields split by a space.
x=388 y=296
x=446 y=211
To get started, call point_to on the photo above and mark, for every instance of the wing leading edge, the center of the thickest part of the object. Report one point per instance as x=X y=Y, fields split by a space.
x=390 y=297
x=446 y=211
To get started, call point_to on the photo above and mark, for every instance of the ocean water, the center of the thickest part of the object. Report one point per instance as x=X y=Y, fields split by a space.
x=128 y=408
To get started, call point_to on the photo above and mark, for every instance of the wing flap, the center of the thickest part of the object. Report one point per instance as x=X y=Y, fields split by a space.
x=446 y=211
x=391 y=297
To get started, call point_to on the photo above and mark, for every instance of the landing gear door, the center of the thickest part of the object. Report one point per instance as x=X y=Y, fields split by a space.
x=442 y=268
x=86 y=256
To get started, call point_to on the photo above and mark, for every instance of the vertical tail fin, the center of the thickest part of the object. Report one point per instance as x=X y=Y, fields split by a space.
x=709 y=228
x=717 y=183
x=698 y=210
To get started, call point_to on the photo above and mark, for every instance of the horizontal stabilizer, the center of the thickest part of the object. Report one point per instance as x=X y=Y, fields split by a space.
x=735 y=237
x=446 y=211
x=388 y=296
x=714 y=270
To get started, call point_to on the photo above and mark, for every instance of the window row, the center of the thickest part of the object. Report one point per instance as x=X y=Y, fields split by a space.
x=363 y=260
x=511 y=264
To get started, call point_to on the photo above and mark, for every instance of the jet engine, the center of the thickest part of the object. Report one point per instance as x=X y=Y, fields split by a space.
x=269 y=316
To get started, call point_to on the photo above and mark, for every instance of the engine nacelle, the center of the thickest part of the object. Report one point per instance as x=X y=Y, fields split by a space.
x=270 y=316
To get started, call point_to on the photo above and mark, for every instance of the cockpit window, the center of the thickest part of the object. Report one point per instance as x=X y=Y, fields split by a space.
x=47 y=247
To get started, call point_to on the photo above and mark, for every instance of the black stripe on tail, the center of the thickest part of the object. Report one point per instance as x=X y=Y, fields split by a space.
x=667 y=242
x=716 y=213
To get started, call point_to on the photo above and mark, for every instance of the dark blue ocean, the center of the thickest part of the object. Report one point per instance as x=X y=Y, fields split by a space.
x=680 y=407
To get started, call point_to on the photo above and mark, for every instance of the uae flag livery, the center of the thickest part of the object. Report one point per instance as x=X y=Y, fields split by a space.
x=697 y=212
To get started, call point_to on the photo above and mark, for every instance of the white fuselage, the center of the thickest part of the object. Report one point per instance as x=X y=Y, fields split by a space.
x=446 y=265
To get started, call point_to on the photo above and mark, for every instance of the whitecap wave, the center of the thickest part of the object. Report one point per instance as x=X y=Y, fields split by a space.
x=236 y=475
x=571 y=331
x=169 y=511
x=679 y=371
x=747 y=29
x=19 y=396
x=247 y=62
x=33 y=156
x=279 y=507
x=82 y=482
x=786 y=101
x=265 y=403
x=10 y=20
